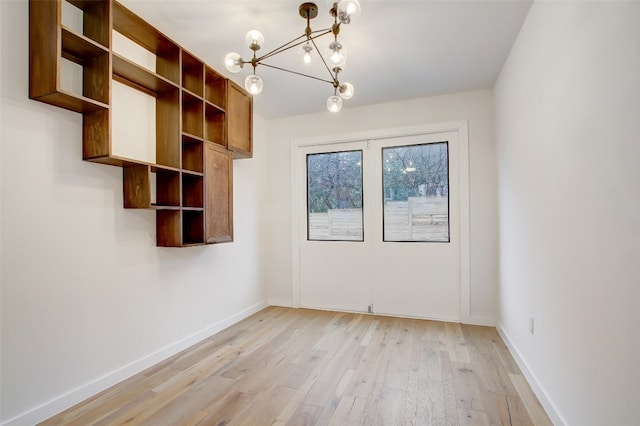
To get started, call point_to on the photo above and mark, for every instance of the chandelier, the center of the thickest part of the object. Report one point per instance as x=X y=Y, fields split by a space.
x=333 y=59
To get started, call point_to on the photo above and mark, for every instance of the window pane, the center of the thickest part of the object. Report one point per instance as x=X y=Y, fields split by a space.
x=416 y=192
x=334 y=196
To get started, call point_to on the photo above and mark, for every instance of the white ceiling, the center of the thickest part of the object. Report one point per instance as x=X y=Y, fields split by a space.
x=396 y=49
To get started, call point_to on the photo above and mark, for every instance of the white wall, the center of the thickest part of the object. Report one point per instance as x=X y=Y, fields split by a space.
x=87 y=297
x=476 y=107
x=568 y=126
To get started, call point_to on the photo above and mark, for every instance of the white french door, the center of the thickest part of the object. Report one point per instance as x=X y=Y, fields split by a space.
x=335 y=274
x=394 y=243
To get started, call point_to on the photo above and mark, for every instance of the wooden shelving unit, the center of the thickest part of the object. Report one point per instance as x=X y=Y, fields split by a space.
x=203 y=120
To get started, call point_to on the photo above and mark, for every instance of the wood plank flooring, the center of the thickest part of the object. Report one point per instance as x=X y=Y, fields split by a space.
x=298 y=367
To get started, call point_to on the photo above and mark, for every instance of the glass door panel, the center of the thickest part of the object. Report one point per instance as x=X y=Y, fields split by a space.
x=334 y=196
x=415 y=181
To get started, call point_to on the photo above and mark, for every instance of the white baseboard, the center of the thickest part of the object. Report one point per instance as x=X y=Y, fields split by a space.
x=480 y=320
x=472 y=320
x=285 y=303
x=538 y=389
x=382 y=314
x=83 y=392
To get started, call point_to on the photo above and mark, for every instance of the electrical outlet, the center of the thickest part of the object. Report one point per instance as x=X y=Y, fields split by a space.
x=370 y=308
x=531 y=325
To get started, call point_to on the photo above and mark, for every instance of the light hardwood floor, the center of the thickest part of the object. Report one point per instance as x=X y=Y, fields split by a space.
x=306 y=367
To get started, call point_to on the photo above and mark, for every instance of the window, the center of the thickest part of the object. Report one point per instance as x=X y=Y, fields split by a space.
x=416 y=192
x=334 y=196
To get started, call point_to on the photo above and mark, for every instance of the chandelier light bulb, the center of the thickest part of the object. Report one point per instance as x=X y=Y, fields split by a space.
x=334 y=103
x=233 y=62
x=348 y=9
x=337 y=55
x=345 y=90
x=253 y=84
x=307 y=52
x=351 y=7
x=254 y=39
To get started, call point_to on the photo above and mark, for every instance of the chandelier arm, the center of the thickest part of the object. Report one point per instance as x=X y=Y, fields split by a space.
x=325 y=30
x=290 y=44
x=334 y=80
x=284 y=47
x=281 y=49
x=299 y=73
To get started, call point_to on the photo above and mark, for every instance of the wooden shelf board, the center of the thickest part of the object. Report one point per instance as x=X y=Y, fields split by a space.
x=73 y=102
x=219 y=143
x=214 y=106
x=135 y=76
x=152 y=207
x=163 y=207
x=81 y=4
x=216 y=240
x=78 y=48
x=190 y=98
x=240 y=155
x=132 y=26
x=193 y=244
x=161 y=167
x=192 y=173
x=114 y=160
x=191 y=138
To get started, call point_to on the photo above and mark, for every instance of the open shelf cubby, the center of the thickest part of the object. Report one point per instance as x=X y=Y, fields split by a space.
x=95 y=19
x=192 y=227
x=192 y=154
x=79 y=48
x=142 y=33
x=192 y=114
x=169 y=228
x=138 y=77
x=148 y=186
x=215 y=89
x=215 y=129
x=168 y=128
x=192 y=190
x=192 y=74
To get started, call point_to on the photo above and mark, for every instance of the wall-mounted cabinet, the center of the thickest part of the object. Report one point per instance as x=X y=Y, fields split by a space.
x=239 y=121
x=202 y=120
x=219 y=184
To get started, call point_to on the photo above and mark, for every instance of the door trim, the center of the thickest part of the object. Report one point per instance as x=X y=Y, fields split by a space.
x=461 y=127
